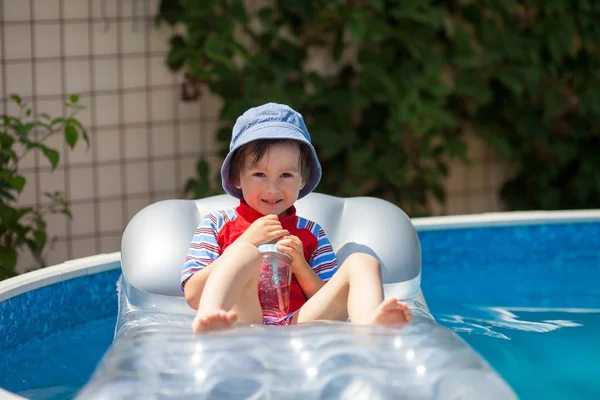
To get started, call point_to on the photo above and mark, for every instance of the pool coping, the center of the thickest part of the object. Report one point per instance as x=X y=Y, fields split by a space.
x=104 y=262
x=57 y=273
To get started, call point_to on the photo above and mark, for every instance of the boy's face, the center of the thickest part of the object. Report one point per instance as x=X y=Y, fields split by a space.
x=273 y=185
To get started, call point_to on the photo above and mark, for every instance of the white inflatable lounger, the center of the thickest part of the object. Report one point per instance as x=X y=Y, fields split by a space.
x=155 y=355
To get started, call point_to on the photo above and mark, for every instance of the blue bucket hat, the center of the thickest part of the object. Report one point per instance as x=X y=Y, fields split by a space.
x=270 y=121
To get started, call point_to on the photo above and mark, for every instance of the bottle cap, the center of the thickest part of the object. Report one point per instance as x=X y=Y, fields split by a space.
x=270 y=248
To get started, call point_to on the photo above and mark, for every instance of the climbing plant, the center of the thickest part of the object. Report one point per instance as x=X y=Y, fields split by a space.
x=388 y=89
x=24 y=227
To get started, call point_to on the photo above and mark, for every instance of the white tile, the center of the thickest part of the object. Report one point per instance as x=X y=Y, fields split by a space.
x=104 y=9
x=106 y=75
x=109 y=180
x=139 y=9
x=163 y=141
x=110 y=243
x=83 y=221
x=47 y=40
x=81 y=183
x=190 y=138
x=12 y=108
x=105 y=38
x=187 y=170
x=57 y=252
x=208 y=135
x=77 y=75
x=211 y=104
x=48 y=78
x=164 y=175
x=28 y=158
x=162 y=105
x=159 y=38
x=189 y=109
x=160 y=74
x=111 y=216
x=46 y=10
x=75 y=9
x=135 y=107
x=134 y=205
x=84 y=247
x=107 y=109
x=18 y=79
x=136 y=142
x=16 y=10
x=76 y=41
x=107 y=144
x=134 y=72
x=17 y=42
x=134 y=40
x=52 y=181
x=52 y=107
x=57 y=224
x=25 y=261
x=137 y=178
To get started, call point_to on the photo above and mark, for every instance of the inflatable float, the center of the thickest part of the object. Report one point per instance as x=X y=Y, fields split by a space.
x=155 y=355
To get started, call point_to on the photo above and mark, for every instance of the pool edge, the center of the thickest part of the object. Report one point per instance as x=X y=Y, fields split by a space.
x=57 y=273
x=508 y=218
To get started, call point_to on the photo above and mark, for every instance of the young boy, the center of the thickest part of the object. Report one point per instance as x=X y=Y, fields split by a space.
x=271 y=164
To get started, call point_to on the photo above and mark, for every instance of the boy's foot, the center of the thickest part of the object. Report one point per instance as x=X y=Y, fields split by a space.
x=391 y=311
x=216 y=320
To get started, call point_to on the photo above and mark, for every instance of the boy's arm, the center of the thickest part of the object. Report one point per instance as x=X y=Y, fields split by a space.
x=308 y=279
x=203 y=250
x=320 y=267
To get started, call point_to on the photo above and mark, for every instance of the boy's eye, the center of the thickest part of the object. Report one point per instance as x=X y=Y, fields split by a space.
x=286 y=175
x=258 y=174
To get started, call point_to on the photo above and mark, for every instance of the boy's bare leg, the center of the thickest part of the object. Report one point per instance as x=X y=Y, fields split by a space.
x=231 y=290
x=355 y=290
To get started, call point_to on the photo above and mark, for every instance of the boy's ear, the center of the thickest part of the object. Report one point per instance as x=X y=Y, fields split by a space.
x=303 y=184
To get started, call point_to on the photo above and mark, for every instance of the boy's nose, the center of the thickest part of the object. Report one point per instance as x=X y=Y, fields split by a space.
x=272 y=187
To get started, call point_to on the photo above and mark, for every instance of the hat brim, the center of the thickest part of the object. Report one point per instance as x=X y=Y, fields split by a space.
x=271 y=130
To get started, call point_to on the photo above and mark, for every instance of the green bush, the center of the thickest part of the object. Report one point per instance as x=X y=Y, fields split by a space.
x=404 y=81
x=25 y=227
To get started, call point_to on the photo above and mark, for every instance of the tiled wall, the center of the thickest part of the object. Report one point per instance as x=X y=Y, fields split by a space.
x=145 y=140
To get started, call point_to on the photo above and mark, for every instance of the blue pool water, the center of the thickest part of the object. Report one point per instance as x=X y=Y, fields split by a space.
x=527 y=298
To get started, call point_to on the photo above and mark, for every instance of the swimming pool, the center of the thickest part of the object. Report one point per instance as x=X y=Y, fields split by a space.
x=524 y=296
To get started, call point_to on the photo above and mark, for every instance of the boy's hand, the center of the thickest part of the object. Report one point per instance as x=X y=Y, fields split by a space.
x=292 y=246
x=264 y=230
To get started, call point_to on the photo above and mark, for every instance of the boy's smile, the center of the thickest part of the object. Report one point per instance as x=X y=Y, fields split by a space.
x=272 y=185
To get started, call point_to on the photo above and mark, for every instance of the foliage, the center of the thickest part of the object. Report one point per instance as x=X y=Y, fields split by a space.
x=25 y=227
x=400 y=83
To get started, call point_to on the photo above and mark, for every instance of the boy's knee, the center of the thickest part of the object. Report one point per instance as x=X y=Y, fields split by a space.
x=363 y=262
x=243 y=249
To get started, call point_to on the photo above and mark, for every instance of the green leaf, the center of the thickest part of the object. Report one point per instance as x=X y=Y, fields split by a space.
x=41 y=237
x=178 y=53
x=52 y=156
x=8 y=260
x=73 y=98
x=17 y=182
x=16 y=98
x=71 y=135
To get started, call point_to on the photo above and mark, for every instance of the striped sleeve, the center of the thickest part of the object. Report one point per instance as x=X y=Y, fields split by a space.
x=323 y=260
x=204 y=248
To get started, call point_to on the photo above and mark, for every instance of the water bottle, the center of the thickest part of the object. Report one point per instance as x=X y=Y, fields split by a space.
x=274 y=281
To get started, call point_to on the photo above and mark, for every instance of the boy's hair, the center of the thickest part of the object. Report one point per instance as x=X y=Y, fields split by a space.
x=257 y=150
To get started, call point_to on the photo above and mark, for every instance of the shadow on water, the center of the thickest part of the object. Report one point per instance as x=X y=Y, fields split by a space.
x=549 y=353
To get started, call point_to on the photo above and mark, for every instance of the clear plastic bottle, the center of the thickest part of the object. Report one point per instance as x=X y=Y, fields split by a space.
x=274 y=281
